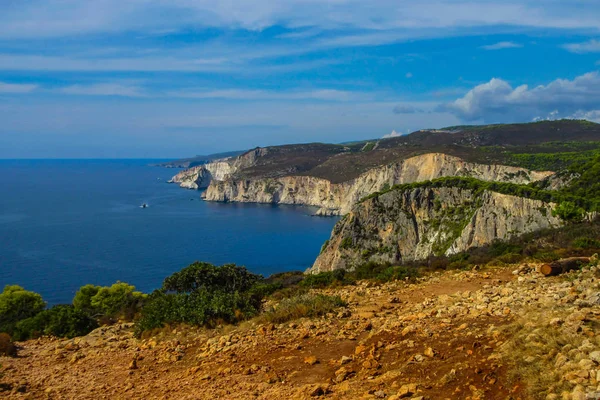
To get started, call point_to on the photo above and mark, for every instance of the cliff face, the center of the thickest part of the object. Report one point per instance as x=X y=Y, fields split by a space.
x=338 y=198
x=200 y=177
x=414 y=224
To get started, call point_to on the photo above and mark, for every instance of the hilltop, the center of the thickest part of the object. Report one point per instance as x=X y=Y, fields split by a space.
x=479 y=144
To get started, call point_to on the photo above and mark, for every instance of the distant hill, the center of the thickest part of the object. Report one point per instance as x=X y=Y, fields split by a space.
x=488 y=144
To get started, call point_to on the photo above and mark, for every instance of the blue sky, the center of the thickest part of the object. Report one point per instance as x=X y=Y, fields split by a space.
x=142 y=78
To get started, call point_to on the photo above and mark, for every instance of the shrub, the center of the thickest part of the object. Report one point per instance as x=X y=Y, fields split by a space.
x=60 y=321
x=306 y=305
x=201 y=308
x=568 y=211
x=7 y=347
x=396 y=273
x=346 y=243
x=586 y=243
x=120 y=300
x=325 y=279
x=201 y=275
x=510 y=258
x=17 y=304
x=203 y=294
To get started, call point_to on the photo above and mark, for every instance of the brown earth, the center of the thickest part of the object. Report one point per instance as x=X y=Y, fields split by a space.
x=439 y=338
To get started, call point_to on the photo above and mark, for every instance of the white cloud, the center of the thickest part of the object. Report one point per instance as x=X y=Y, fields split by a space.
x=16 y=88
x=498 y=101
x=392 y=134
x=593 y=115
x=502 y=45
x=591 y=46
x=103 y=89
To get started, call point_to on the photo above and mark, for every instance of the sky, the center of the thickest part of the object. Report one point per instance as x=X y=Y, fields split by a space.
x=175 y=78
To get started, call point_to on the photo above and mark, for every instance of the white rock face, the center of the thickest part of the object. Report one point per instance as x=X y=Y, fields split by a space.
x=417 y=223
x=199 y=177
x=339 y=198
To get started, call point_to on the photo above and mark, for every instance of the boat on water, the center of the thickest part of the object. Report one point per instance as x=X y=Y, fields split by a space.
x=144 y=205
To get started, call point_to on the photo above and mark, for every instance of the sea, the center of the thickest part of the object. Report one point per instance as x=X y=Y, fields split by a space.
x=67 y=223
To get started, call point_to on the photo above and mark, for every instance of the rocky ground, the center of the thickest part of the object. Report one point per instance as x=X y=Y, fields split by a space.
x=503 y=333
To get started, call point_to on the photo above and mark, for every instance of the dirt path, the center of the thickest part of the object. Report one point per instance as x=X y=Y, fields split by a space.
x=389 y=342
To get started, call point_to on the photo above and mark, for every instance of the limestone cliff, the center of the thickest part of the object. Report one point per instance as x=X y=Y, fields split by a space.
x=199 y=177
x=338 y=198
x=416 y=223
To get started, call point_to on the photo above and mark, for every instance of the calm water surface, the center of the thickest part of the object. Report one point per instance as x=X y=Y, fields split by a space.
x=64 y=224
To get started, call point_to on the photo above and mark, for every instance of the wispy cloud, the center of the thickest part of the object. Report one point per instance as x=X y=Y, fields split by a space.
x=406 y=109
x=103 y=89
x=241 y=94
x=16 y=88
x=502 y=45
x=48 y=18
x=591 y=46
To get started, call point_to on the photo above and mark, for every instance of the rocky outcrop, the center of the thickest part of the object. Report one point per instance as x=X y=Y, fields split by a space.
x=338 y=198
x=199 y=177
x=417 y=223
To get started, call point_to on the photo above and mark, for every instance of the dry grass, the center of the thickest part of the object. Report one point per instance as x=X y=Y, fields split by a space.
x=305 y=305
x=535 y=348
x=7 y=347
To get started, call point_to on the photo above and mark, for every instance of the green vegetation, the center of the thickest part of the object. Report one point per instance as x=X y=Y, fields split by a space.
x=205 y=295
x=346 y=243
x=326 y=279
x=120 y=300
x=306 y=305
x=17 y=304
x=573 y=240
x=368 y=146
x=585 y=200
x=568 y=211
x=61 y=321
x=23 y=314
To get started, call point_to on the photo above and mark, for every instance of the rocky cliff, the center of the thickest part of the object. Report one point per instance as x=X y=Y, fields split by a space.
x=199 y=177
x=338 y=198
x=414 y=224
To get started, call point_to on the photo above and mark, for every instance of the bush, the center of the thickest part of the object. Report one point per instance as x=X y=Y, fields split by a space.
x=120 y=300
x=201 y=275
x=17 y=304
x=306 y=305
x=586 y=243
x=325 y=279
x=396 y=273
x=203 y=294
x=60 y=321
x=568 y=211
x=200 y=308
x=7 y=347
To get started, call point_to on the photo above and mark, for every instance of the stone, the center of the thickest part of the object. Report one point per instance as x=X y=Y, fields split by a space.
x=429 y=352
x=595 y=356
x=311 y=360
x=406 y=390
x=345 y=360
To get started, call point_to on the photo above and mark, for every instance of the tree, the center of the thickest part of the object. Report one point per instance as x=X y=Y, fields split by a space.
x=60 y=320
x=83 y=298
x=17 y=304
x=118 y=300
x=201 y=275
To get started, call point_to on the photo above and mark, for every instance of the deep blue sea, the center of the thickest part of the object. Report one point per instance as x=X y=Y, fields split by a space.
x=66 y=223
